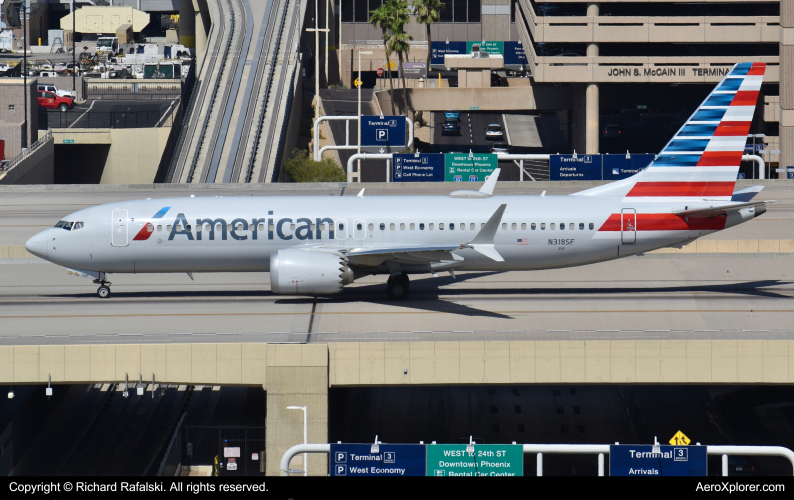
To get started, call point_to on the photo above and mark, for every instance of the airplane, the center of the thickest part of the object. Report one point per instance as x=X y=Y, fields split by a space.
x=315 y=245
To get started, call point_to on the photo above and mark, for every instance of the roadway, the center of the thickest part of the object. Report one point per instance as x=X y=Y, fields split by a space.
x=659 y=296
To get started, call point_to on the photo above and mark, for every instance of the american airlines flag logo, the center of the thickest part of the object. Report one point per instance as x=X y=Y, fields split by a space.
x=523 y=241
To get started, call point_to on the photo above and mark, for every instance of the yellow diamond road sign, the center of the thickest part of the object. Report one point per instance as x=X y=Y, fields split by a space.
x=391 y=65
x=680 y=439
x=357 y=83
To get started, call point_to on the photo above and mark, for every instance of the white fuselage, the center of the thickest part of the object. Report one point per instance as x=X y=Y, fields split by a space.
x=536 y=232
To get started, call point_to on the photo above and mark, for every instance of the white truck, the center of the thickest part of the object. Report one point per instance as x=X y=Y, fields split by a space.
x=49 y=87
x=107 y=45
x=6 y=41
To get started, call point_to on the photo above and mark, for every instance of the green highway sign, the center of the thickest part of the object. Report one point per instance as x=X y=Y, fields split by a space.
x=487 y=460
x=496 y=48
x=474 y=108
x=458 y=167
x=68 y=141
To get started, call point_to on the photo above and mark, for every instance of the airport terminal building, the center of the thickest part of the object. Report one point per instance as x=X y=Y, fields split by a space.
x=641 y=65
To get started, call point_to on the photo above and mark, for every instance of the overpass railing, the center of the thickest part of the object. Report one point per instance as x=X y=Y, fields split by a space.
x=26 y=152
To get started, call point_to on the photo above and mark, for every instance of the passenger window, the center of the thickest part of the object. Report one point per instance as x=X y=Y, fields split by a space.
x=359 y=227
x=186 y=227
x=532 y=226
x=159 y=227
x=591 y=225
x=291 y=227
x=472 y=226
x=341 y=226
x=271 y=227
x=543 y=226
x=421 y=226
x=562 y=226
x=262 y=227
x=551 y=226
x=581 y=226
x=391 y=226
x=571 y=226
x=322 y=226
x=382 y=226
x=218 y=227
x=413 y=226
x=240 y=226
x=451 y=226
x=462 y=225
x=402 y=225
x=441 y=226
x=514 y=226
x=482 y=225
x=431 y=225
x=313 y=227
x=168 y=227
x=371 y=226
x=523 y=225
x=504 y=225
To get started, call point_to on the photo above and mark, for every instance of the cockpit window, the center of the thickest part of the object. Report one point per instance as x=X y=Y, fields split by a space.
x=60 y=223
x=77 y=225
x=68 y=226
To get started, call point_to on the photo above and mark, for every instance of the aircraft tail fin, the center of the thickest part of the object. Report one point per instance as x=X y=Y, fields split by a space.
x=702 y=159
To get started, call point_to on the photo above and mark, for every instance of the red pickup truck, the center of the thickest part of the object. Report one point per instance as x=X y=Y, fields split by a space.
x=49 y=100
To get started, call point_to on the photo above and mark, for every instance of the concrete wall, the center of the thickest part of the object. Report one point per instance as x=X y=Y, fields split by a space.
x=486 y=98
x=65 y=83
x=12 y=121
x=38 y=168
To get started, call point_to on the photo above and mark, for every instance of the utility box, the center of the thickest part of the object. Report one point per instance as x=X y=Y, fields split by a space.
x=105 y=20
x=125 y=34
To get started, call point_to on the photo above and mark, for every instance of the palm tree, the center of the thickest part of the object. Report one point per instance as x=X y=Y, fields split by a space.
x=400 y=42
x=428 y=12
x=382 y=17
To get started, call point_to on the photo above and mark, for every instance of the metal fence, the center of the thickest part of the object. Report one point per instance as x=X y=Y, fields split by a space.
x=137 y=90
x=244 y=444
x=105 y=119
x=172 y=461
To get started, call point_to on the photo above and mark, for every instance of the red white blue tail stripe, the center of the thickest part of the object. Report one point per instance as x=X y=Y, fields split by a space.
x=702 y=160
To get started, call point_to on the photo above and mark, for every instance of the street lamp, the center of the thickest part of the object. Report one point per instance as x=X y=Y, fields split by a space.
x=360 y=83
x=305 y=436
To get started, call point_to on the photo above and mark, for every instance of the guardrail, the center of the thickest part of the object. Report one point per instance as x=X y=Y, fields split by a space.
x=125 y=90
x=27 y=152
x=106 y=119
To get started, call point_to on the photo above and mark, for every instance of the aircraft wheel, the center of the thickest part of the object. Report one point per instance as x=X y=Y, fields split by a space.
x=103 y=292
x=397 y=287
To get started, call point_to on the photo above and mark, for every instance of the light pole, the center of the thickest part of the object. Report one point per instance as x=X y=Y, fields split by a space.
x=754 y=151
x=360 y=83
x=305 y=436
x=25 y=67
x=74 y=52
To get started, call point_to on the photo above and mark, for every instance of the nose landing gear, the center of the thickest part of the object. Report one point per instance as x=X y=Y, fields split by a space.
x=104 y=289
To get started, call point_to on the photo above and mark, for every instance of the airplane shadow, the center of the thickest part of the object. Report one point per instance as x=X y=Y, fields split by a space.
x=426 y=296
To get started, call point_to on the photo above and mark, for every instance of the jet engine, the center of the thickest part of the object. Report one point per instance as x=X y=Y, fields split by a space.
x=308 y=272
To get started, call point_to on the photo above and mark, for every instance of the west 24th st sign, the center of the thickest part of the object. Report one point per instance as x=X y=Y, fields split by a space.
x=485 y=460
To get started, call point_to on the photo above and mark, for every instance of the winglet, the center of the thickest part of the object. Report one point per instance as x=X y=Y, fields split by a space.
x=490 y=183
x=361 y=193
x=483 y=242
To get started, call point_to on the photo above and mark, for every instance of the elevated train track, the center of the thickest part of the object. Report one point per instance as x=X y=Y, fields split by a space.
x=239 y=108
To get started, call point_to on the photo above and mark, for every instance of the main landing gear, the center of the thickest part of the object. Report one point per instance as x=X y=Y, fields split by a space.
x=104 y=289
x=397 y=287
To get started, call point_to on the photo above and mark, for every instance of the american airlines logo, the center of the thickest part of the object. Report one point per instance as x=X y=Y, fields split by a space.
x=241 y=229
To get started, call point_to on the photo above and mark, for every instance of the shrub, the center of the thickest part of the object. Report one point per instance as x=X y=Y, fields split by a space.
x=302 y=168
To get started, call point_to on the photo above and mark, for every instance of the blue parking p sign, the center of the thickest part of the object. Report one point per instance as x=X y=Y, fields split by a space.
x=643 y=460
x=383 y=131
x=357 y=460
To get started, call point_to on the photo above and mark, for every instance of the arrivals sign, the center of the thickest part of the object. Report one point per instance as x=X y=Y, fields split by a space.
x=596 y=167
x=486 y=460
x=641 y=460
x=357 y=460
x=460 y=167
x=383 y=131
x=418 y=168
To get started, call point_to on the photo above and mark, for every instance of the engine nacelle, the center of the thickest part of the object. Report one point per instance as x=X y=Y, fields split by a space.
x=307 y=272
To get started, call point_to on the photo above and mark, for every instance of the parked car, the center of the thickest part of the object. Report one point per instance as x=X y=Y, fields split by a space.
x=611 y=131
x=451 y=127
x=50 y=87
x=500 y=148
x=494 y=131
x=49 y=100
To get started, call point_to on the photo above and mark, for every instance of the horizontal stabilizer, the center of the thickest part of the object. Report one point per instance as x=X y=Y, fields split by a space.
x=746 y=194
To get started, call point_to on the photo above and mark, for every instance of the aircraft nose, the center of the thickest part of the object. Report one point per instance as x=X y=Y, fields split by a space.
x=37 y=245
